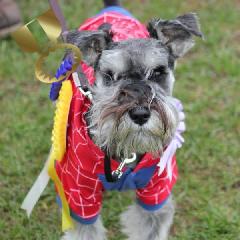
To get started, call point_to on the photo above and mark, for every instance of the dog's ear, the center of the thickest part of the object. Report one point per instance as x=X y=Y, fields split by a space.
x=177 y=34
x=91 y=43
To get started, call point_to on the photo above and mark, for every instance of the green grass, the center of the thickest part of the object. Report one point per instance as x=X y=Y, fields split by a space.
x=208 y=190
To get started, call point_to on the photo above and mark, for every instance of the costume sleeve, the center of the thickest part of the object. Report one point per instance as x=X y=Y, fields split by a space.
x=155 y=194
x=83 y=191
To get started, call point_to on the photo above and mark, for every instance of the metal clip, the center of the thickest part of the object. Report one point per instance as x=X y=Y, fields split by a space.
x=118 y=172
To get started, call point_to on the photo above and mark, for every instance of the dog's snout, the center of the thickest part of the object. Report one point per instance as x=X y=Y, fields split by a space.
x=140 y=115
x=134 y=92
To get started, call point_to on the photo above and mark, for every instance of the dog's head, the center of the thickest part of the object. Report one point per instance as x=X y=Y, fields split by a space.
x=132 y=108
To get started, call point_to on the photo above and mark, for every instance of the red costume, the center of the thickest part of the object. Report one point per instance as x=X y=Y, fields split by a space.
x=82 y=169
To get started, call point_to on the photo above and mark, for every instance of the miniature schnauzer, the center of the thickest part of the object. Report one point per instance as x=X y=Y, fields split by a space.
x=132 y=109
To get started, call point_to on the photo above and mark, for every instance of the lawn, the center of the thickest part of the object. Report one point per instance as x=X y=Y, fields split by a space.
x=208 y=83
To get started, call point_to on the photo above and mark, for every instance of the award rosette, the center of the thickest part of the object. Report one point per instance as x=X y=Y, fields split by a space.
x=53 y=25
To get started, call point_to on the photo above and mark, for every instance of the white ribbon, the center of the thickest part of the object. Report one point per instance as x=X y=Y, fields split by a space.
x=177 y=141
x=37 y=189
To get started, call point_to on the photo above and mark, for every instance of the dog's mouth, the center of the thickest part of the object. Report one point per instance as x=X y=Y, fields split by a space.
x=136 y=136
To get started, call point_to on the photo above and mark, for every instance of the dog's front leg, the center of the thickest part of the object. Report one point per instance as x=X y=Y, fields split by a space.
x=139 y=224
x=95 y=231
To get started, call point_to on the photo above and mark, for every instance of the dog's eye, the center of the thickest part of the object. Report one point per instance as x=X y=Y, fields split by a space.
x=158 y=73
x=108 y=78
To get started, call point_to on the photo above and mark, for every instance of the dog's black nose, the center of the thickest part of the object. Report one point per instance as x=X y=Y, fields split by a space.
x=140 y=115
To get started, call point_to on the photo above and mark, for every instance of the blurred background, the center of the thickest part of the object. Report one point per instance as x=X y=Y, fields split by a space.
x=208 y=83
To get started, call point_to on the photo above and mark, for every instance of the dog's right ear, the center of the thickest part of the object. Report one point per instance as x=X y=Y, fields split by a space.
x=176 y=34
x=91 y=43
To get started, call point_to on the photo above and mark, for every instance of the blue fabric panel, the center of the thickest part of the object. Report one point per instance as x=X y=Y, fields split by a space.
x=77 y=218
x=129 y=180
x=116 y=9
x=151 y=208
x=83 y=220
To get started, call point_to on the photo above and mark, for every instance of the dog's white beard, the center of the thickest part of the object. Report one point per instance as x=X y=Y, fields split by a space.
x=128 y=137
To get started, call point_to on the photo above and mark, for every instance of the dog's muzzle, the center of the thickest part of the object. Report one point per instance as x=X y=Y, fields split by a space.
x=137 y=93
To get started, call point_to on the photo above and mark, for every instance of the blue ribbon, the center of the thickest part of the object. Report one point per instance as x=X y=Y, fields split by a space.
x=65 y=66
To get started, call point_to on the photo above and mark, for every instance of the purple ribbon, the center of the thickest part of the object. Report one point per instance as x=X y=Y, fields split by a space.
x=58 y=13
x=177 y=142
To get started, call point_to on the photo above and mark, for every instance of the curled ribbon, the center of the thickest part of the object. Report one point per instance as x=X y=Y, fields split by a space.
x=52 y=28
x=46 y=77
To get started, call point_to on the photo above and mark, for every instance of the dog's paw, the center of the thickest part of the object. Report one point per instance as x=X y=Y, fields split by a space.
x=95 y=231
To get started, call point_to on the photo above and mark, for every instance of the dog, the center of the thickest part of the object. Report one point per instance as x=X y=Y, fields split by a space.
x=116 y=140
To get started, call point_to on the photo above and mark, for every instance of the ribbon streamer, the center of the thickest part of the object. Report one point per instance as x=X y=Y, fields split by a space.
x=37 y=189
x=59 y=147
x=58 y=13
x=178 y=140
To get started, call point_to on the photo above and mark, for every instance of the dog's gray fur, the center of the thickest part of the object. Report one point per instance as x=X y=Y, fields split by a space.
x=141 y=224
x=135 y=75
x=94 y=231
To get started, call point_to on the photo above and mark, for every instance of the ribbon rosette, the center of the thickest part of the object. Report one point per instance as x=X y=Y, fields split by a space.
x=52 y=26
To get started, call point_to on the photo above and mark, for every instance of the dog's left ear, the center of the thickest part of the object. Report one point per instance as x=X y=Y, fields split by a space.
x=176 y=34
x=91 y=43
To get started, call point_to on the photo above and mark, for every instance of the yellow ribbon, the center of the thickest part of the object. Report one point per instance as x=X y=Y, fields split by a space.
x=59 y=147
